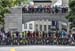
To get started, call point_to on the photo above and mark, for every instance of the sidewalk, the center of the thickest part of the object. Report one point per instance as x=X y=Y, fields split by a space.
x=39 y=48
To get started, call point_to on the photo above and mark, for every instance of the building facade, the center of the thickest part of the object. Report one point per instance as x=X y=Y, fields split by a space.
x=41 y=26
x=13 y=21
x=19 y=16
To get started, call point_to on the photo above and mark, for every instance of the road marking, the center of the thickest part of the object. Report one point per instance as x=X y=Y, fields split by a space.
x=12 y=49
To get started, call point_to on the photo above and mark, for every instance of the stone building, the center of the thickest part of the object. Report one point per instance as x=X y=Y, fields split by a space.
x=14 y=20
x=41 y=26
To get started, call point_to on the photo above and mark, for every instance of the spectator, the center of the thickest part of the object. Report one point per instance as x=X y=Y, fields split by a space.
x=56 y=9
x=9 y=34
x=40 y=8
x=24 y=9
x=17 y=34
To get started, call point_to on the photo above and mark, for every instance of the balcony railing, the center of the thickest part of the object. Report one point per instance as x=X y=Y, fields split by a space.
x=44 y=10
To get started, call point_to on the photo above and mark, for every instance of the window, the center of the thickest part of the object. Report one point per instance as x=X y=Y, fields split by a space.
x=25 y=26
x=73 y=30
x=49 y=27
x=30 y=26
x=53 y=23
x=45 y=27
x=36 y=27
x=64 y=27
x=40 y=27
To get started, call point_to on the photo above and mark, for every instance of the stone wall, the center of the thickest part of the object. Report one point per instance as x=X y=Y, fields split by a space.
x=13 y=21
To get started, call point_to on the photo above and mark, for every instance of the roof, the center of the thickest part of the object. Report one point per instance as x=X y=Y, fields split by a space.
x=42 y=1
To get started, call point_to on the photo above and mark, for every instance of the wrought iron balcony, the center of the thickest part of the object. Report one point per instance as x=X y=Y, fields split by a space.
x=44 y=10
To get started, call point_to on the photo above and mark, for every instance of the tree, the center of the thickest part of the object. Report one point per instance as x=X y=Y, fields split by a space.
x=6 y=4
x=71 y=16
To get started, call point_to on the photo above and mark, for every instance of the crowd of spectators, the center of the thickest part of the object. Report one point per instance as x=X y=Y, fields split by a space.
x=44 y=9
x=37 y=38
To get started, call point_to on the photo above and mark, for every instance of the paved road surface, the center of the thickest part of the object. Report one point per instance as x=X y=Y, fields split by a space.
x=38 y=48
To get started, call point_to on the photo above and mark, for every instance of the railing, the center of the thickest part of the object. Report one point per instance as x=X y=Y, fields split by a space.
x=44 y=10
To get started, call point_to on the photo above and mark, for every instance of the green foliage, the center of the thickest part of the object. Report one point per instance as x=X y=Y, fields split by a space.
x=25 y=1
x=6 y=4
x=72 y=5
x=71 y=16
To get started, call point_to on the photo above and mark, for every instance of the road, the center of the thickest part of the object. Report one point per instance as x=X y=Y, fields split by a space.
x=38 y=48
